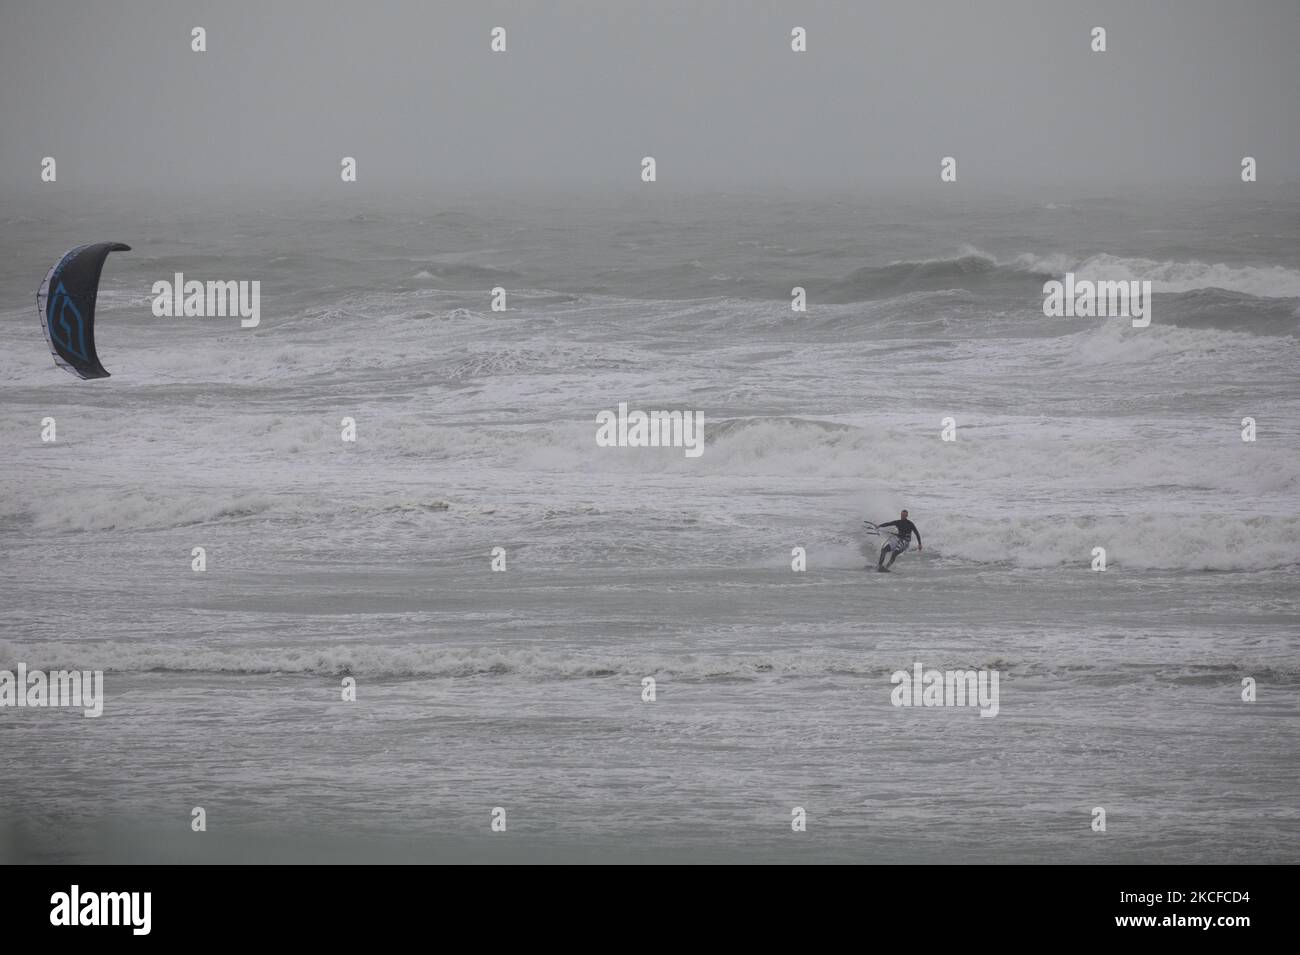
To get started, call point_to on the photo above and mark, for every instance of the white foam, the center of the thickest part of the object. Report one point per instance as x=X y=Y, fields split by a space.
x=1272 y=281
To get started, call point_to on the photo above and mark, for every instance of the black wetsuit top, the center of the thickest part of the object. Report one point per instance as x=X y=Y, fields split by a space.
x=905 y=529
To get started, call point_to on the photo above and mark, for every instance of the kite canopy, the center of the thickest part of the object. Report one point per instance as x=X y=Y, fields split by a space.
x=66 y=304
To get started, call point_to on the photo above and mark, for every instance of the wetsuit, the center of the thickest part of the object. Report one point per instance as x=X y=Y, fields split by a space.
x=905 y=531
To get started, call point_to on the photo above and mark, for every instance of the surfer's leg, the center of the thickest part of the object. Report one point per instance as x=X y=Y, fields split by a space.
x=893 y=556
x=881 y=563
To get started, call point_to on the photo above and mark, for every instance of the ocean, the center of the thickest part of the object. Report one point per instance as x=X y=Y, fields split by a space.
x=521 y=689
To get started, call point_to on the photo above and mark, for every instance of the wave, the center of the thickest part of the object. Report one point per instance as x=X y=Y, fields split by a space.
x=1227 y=311
x=1111 y=467
x=1165 y=541
x=132 y=510
x=440 y=662
x=466 y=276
x=1118 y=348
x=1004 y=452
x=971 y=270
x=1215 y=308
x=1267 y=281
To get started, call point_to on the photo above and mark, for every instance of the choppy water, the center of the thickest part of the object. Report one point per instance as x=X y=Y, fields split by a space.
x=522 y=689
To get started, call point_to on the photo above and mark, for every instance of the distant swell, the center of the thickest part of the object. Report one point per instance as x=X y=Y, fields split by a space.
x=970 y=270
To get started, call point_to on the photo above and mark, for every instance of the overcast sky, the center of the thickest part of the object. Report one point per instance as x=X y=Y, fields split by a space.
x=711 y=89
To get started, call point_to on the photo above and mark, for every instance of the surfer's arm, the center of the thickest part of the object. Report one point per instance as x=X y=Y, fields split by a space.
x=888 y=524
x=918 y=537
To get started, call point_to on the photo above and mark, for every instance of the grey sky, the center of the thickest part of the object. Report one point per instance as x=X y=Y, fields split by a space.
x=711 y=89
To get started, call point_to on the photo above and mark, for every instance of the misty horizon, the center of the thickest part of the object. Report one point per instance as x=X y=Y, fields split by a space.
x=713 y=92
